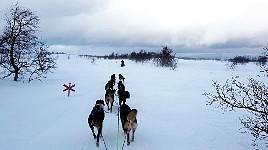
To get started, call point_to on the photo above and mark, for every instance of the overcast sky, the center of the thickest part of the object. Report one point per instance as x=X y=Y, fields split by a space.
x=118 y=25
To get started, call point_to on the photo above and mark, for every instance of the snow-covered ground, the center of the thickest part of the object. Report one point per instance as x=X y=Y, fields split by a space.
x=172 y=112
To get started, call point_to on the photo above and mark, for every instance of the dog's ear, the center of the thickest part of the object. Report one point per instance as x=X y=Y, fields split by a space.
x=96 y=102
x=102 y=102
x=135 y=110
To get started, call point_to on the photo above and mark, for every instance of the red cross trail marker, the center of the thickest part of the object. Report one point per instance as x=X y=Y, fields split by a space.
x=69 y=88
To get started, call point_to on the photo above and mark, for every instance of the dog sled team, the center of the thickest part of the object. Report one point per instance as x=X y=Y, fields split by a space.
x=128 y=116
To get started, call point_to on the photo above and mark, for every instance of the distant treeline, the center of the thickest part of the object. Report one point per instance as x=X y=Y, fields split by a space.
x=58 y=53
x=246 y=59
x=144 y=56
x=164 y=58
x=141 y=56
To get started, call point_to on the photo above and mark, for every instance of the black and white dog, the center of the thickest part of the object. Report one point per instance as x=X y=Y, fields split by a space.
x=95 y=119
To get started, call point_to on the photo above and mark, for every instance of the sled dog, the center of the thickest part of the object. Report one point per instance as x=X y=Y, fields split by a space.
x=129 y=121
x=95 y=119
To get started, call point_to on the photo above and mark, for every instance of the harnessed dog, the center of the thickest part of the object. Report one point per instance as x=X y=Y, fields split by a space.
x=121 y=78
x=95 y=119
x=109 y=98
x=113 y=79
x=129 y=121
x=122 y=93
x=109 y=85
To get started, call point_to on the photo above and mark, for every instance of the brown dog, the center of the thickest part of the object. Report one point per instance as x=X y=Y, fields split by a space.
x=129 y=120
x=109 y=98
x=109 y=85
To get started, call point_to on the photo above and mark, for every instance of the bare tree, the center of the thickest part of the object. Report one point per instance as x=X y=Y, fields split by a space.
x=41 y=64
x=251 y=97
x=22 y=52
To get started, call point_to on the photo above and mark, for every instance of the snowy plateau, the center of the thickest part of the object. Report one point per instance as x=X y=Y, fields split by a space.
x=172 y=112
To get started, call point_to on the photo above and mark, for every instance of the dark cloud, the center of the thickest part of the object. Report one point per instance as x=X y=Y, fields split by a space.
x=147 y=24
